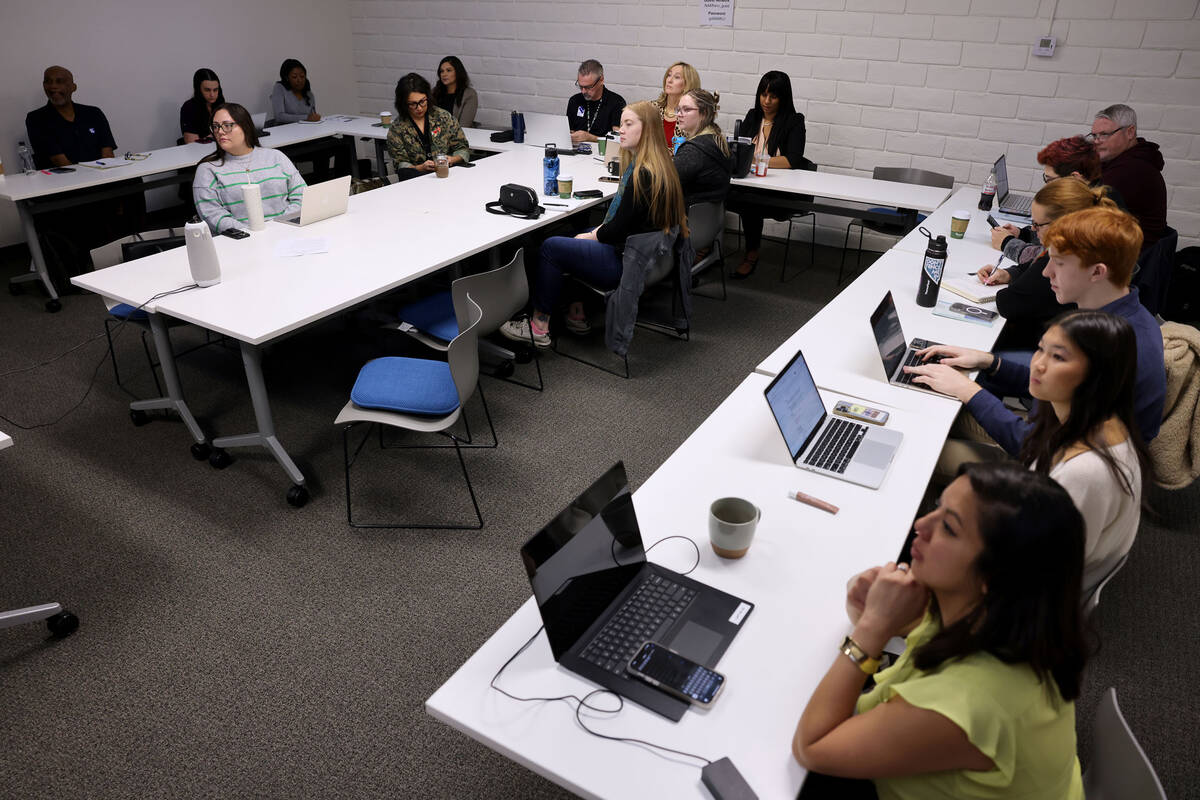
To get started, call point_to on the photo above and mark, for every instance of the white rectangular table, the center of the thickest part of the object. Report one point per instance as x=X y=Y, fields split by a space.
x=263 y=297
x=849 y=188
x=795 y=573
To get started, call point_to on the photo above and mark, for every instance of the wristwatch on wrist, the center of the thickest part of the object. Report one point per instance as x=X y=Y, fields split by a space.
x=859 y=656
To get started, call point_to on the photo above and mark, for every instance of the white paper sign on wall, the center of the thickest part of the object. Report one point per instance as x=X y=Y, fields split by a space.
x=716 y=13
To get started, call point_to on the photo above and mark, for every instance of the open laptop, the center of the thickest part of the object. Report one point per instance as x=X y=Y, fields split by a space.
x=601 y=600
x=543 y=129
x=893 y=350
x=260 y=124
x=321 y=201
x=1018 y=205
x=833 y=446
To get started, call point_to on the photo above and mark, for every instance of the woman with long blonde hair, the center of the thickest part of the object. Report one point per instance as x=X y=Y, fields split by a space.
x=679 y=79
x=648 y=199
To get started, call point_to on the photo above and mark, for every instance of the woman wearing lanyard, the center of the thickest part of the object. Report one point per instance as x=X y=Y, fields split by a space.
x=981 y=703
x=679 y=79
x=648 y=199
x=779 y=132
x=420 y=133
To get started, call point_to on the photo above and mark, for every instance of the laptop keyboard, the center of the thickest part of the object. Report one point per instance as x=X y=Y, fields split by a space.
x=836 y=446
x=914 y=360
x=1018 y=204
x=645 y=617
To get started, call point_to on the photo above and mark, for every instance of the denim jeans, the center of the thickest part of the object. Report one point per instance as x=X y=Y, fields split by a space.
x=586 y=259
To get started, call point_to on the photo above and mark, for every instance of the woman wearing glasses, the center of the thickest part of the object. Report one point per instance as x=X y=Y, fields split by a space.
x=702 y=160
x=195 y=114
x=1028 y=303
x=421 y=131
x=238 y=160
x=982 y=702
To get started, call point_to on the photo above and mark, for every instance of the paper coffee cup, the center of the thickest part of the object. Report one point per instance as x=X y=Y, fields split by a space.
x=958 y=224
x=252 y=196
x=385 y=118
x=565 y=183
x=731 y=525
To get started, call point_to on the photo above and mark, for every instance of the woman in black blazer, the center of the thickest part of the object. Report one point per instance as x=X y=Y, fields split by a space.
x=777 y=128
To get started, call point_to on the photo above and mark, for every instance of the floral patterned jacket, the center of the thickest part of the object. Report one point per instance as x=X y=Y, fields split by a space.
x=445 y=136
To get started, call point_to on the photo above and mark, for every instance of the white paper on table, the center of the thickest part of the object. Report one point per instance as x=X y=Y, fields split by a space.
x=104 y=163
x=300 y=247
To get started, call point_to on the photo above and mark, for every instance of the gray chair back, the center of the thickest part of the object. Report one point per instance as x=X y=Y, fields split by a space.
x=706 y=221
x=920 y=177
x=1119 y=769
x=500 y=294
x=462 y=354
x=1093 y=602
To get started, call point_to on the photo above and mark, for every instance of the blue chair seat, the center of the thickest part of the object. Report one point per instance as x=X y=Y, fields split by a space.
x=126 y=311
x=433 y=315
x=407 y=385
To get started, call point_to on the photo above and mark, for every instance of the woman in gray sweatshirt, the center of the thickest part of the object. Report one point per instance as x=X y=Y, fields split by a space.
x=238 y=161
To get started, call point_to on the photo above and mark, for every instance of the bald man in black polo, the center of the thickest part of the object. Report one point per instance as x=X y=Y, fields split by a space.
x=64 y=132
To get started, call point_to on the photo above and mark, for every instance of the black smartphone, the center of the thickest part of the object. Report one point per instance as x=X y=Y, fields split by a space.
x=466 y=164
x=588 y=194
x=608 y=179
x=234 y=233
x=670 y=672
x=61 y=170
x=992 y=221
x=974 y=311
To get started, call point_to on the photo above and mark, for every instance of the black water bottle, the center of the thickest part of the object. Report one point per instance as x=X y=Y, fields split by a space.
x=931 y=270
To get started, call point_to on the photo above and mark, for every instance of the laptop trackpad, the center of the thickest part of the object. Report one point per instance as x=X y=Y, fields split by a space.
x=696 y=642
x=874 y=454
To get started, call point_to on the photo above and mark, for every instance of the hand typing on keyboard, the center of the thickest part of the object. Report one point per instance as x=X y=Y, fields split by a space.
x=942 y=370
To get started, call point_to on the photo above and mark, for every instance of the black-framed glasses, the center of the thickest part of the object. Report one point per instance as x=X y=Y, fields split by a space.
x=1037 y=227
x=1047 y=178
x=414 y=105
x=222 y=127
x=589 y=86
x=1100 y=136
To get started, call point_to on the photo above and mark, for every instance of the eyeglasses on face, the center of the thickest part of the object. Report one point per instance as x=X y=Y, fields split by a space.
x=222 y=127
x=1037 y=227
x=414 y=105
x=1100 y=136
x=587 y=87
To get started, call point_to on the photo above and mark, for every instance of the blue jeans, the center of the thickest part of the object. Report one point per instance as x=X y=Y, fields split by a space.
x=586 y=259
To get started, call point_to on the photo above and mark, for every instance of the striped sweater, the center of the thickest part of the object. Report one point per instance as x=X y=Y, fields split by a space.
x=217 y=187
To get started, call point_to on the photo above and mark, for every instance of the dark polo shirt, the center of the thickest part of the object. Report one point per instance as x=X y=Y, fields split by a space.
x=82 y=140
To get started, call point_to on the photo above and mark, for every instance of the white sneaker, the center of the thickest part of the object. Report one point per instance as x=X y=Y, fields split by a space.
x=518 y=330
x=578 y=325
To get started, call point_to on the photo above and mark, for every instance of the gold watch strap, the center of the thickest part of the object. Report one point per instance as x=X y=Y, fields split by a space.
x=859 y=656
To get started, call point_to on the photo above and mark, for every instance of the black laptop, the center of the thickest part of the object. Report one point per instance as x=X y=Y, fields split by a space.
x=601 y=600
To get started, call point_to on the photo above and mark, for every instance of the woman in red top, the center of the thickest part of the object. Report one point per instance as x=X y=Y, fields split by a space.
x=679 y=79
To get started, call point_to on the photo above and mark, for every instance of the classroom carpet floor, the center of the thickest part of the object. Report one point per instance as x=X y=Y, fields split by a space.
x=232 y=645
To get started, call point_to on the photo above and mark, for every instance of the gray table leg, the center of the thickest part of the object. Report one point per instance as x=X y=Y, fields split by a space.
x=265 y=435
x=37 y=267
x=380 y=164
x=174 y=400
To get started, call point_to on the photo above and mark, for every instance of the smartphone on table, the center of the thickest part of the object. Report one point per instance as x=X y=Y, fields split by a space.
x=856 y=411
x=680 y=677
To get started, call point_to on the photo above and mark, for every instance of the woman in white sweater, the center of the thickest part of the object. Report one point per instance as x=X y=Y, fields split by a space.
x=1084 y=436
x=238 y=160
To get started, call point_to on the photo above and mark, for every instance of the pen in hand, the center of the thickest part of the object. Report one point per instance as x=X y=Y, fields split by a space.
x=992 y=275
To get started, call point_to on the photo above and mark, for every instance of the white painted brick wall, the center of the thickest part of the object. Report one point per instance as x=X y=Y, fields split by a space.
x=944 y=85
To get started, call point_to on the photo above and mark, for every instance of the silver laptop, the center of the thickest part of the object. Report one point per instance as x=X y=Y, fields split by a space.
x=321 y=201
x=833 y=446
x=544 y=129
x=260 y=124
x=893 y=350
x=1018 y=205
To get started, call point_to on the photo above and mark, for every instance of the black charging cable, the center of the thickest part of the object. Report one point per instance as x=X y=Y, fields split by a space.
x=96 y=371
x=584 y=702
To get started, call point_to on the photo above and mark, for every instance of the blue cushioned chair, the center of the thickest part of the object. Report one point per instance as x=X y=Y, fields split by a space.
x=419 y=395
x=501 y=293
x=898 y=221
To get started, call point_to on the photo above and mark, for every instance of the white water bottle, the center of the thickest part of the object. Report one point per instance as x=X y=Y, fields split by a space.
x=252 y=196
x=202 y=254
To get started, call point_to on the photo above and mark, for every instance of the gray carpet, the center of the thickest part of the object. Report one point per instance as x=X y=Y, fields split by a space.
x=233 y=645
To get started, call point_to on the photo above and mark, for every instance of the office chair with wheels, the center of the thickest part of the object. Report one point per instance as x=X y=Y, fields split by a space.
x=419 y=395
x=904 y=219
x=706 y=222
x=501 y=293
x=1119 y=769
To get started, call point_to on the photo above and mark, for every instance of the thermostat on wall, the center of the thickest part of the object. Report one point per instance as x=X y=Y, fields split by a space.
x=1045 y=46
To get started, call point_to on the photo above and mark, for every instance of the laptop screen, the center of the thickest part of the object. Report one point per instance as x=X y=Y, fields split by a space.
x=796 y=404
x=1001 y=167
x=584 y=558
x=885 y=323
